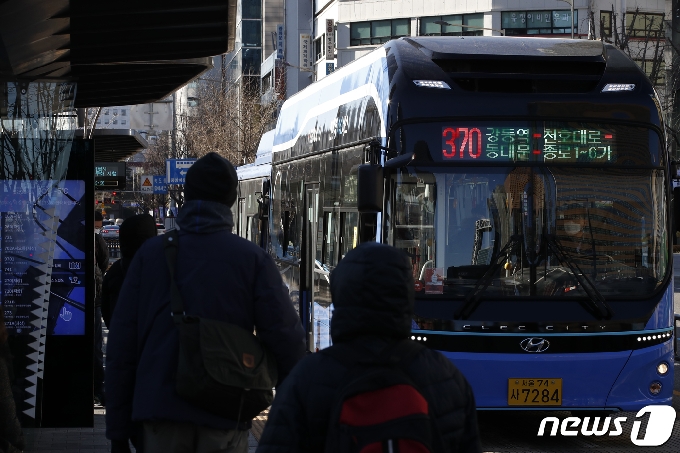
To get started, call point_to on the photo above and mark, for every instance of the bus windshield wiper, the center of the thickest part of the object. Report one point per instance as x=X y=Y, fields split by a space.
x=595 y=299
x=472 y=299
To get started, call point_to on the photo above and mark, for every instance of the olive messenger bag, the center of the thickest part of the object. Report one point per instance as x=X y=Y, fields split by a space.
x=222 y=368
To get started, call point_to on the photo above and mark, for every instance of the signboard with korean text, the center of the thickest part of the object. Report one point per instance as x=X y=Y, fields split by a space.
x=540 y=22
x=159 y=185
x=33 y=267
x=503 y=142
x=305 y=52
x=527 y=143
x=109 y=175
x=330 y=39
x=280 y=44
x=146 y=184
x=330 y=67
x=176 y=170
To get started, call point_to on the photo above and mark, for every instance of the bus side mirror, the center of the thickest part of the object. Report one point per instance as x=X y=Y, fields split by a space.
x=369 y=188
x=674 y=170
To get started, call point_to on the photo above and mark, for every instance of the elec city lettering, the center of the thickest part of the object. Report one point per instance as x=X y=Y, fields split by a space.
x=524 y=144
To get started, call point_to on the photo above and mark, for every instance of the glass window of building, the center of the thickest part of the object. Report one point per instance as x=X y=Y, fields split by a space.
x=655 y=70
x=378 y=31
x=606 y=23
x=252 y=59
x=517 y=23
x=644 y=24
x=115 y=111
x=106 y=111
x=455 y=25
x=123 y=121
x=251 y=34
x=123 y=112
x=251 y=9
x=320 y=47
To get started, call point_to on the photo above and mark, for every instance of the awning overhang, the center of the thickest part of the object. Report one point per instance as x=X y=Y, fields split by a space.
x=119 y=53
x=114 y=145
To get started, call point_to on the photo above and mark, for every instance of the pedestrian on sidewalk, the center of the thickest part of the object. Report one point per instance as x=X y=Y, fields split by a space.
x=134 y=231
x=11 y=435
x=372 y=290
x=220 y=276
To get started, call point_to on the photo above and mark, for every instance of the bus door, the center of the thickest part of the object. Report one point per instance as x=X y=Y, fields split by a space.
x=312 y=260
x=241 y=217
x=340 y=235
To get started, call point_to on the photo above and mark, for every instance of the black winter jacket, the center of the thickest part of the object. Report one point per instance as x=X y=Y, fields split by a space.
x=372 y=290
x=220 y=276
x=113 y=281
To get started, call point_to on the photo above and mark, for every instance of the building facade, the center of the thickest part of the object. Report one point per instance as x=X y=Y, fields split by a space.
x=361 y=25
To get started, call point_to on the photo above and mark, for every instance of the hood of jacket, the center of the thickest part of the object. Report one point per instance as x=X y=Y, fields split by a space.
x=202 y=217
x=373 y=293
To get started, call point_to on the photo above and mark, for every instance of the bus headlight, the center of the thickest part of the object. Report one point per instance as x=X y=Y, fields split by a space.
x=662 y=368
x=655 y=388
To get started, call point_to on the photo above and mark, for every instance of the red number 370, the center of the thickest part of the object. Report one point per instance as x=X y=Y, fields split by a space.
x=469 y=135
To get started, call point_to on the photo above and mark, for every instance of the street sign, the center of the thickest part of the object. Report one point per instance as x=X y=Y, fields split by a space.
x=279 y=41
x=330 y=39
x=305 y=53
x=176 y=170
x=146 y=184
x=159 y=186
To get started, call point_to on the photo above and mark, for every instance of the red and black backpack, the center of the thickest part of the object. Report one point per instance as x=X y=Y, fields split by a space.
x=379 y=408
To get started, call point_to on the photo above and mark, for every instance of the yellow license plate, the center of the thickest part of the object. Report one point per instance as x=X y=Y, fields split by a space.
x=534 y=392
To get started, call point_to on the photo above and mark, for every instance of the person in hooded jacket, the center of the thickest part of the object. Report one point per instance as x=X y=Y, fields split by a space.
x=133 y=233
x=220 y=276
x=372 y=289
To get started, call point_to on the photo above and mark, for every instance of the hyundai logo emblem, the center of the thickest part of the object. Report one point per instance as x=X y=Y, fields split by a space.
x=535 y=344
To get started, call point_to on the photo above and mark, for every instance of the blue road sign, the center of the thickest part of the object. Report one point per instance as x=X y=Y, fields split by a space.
x=159 y=186
x=176 y=170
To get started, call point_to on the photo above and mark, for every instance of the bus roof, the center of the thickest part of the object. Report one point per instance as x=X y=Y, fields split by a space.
x=484 y=46
x=479 y=76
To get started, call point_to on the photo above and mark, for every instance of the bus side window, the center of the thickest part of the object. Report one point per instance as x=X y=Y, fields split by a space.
x=330 y=246
x=285 y=220
x=349 y=232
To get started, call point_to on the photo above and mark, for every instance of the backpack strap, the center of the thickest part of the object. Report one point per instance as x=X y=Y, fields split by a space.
x=171 y=245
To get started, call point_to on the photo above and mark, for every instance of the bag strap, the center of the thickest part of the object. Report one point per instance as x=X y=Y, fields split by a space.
x=171 y=243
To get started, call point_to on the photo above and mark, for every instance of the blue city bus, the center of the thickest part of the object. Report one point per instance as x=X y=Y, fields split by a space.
x=251 y=210
x=528 y=181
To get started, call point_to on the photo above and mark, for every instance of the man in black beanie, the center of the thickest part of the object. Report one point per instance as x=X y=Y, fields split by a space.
x=220 y=276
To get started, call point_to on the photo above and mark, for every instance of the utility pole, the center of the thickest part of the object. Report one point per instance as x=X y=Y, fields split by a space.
x=672 y=60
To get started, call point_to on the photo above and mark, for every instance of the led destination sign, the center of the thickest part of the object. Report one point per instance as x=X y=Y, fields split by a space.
x=531 y=144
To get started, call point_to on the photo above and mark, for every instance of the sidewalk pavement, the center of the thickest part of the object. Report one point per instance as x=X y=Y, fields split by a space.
x=93 y=440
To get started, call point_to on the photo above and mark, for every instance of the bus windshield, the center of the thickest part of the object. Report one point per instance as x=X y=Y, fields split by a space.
x=548 y=231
